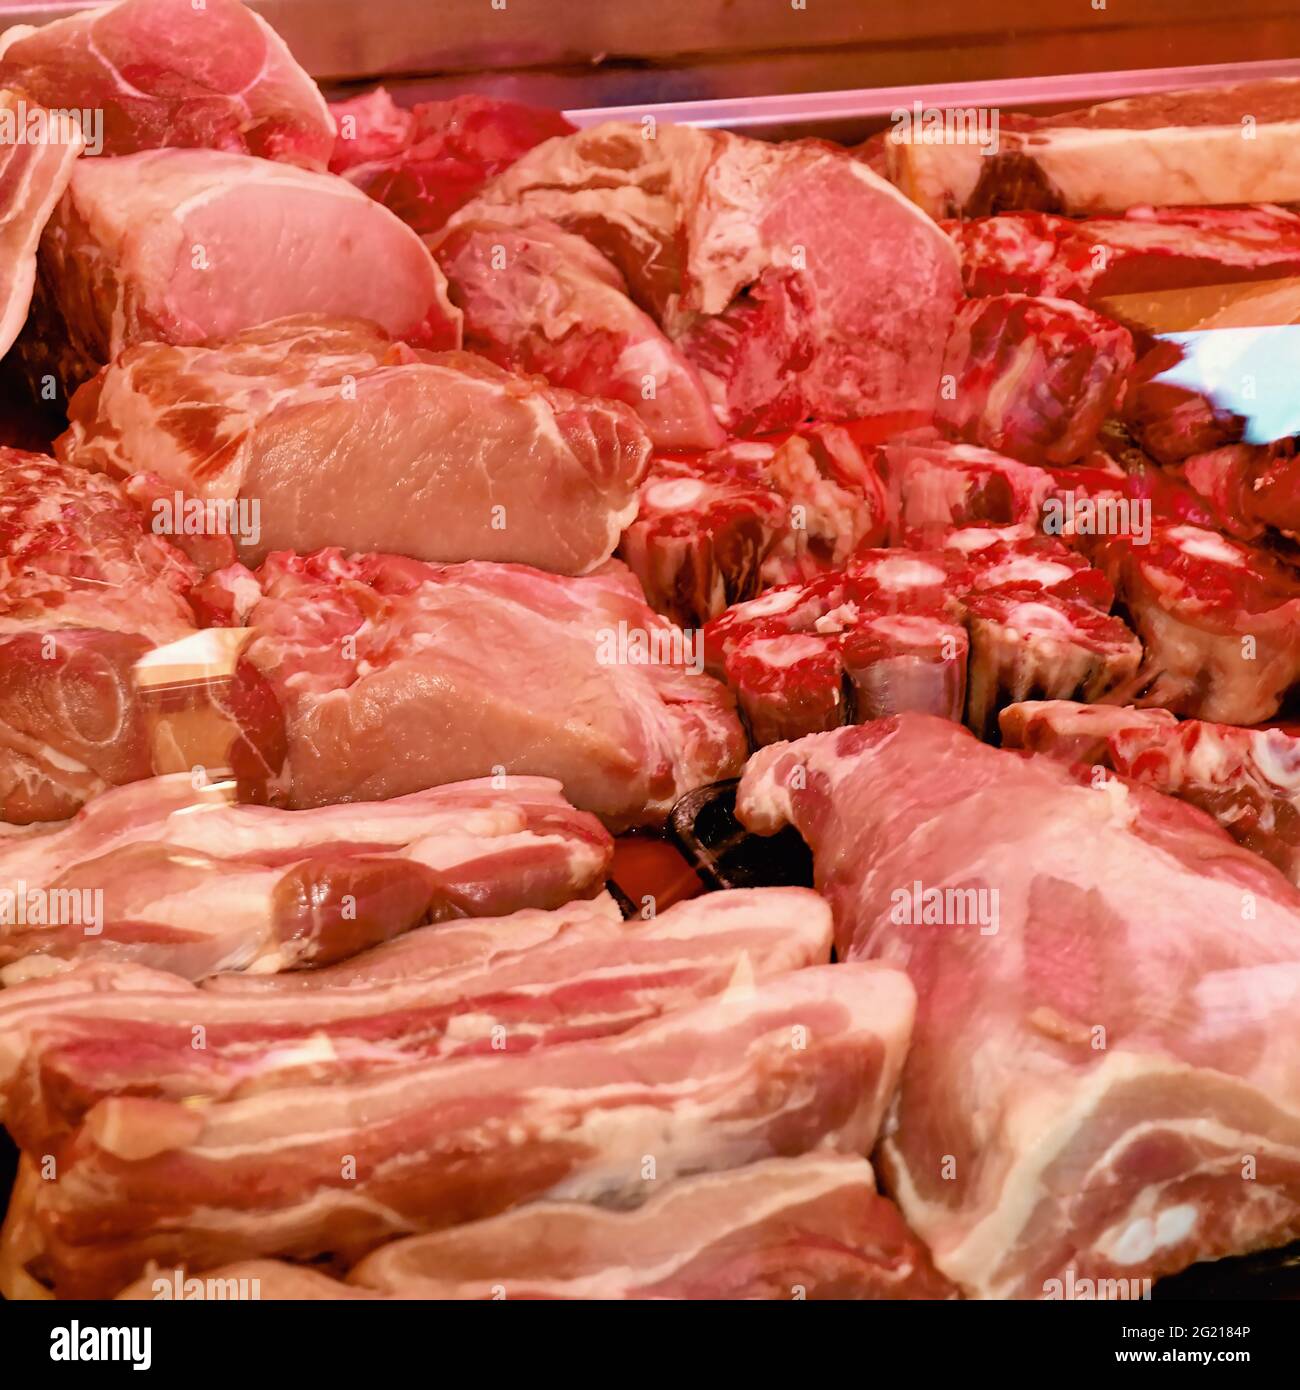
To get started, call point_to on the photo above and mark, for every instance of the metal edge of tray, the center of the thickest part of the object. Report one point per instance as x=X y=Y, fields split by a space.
x=772 y=114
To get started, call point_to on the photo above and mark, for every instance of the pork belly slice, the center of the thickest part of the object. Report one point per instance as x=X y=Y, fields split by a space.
x=799 y=283
x=1027 y=643
x=163 y=874
x=1149 y=248
x=804 y=1061
x=425 y=161
x=1183 y=148
x=1104 y=1077
x=1220 y=621
x=216 y=76
x=154 y=247
x=312 y=431
x=1247 y=779
x=263 y=1280
x=810 y=1227
x=34 y=174
x=539 y=299
x=62 y=1052
x=1031 y=377
x=469 y=670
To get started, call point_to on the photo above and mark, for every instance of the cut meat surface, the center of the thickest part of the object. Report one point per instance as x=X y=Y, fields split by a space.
x=425 y=161
x=1032 y=378
x=154 y=247
x=66 y=1046
x=263 y=1280
x=1107 y=985
x=312 y=431
x=465 y=670
x=803 y=1062
x=214 y=75
x=811 y=1227
x=1167 y=148
x=33 y=176
x=539 y=299
x=1247 y=779
x=1220 y=622
x=1148 y=248
x=161 y=874
x=799 y=283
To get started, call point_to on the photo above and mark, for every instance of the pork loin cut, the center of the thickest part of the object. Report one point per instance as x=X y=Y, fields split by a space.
x=314 y=431
x=425 y=161
x=155 y=247
x=811 y=1227
x=1247 y=779
x=465 y=670
x=539 y=299
x=1220 y=621
x=1032 y=378
x=798 y=282
x=803 y=1062
x=157 y=73
x=168 y=875
x=66 y=1045
x=1147 y=249
x=1213 y=145
x=1104 y=1080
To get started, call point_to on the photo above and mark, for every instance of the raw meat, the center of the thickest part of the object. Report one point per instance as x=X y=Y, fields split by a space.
x=33 y=175
x=1249 y=487
x=312 y=431
x=85 y=592
x=465 y=670
x=1220 y=622
x=806 y=1228
x=1188 y=147
x=1032 y=378
x=803 y=1062
x=426 y=161
x=713 y=529
x=536 y=298
x=1147 y=249
x=154 y=247
x=1103 y=1078
x=64 y=1048
x=1247 y=779
x=798 y=282
x=157 y=73
x=164 y=874
x=263 y=1280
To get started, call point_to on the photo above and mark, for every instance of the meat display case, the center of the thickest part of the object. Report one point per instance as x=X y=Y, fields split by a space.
x=682 y=65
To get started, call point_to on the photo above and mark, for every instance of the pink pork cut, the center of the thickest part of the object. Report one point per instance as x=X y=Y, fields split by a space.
x=811 y=1227
x=539 y=299
x=85 y=591
x=159 y=73
x=1220 y=621
x=425 y=161
x=1247 y=779
x=180 y=246
x=799 y=283
x=33 y=176
x=806 y=1061
x=68 y=1044
x=469 y=670
x=163 y=874
x=1032 y=378
x=1184 y=148
x=1104 y=1079
x=338 y=436
x=1147 y=249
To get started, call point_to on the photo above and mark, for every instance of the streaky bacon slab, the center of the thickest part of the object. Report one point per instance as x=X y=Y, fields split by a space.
x=595 y=975
x=1103 y=1077
x=801 y=1062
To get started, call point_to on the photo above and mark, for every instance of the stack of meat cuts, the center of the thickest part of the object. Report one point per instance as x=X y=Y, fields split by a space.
x=443 y=504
